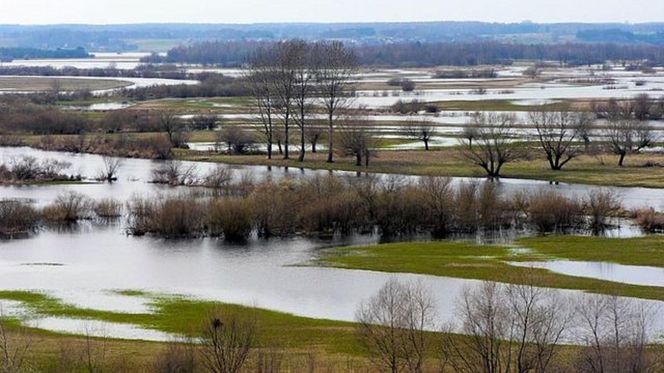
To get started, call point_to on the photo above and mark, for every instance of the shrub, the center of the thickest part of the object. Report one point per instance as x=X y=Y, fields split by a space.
x=237 y=140
x=232 y=218
x=17 y=218
x=405 y=84
x=108 y=208
x=398 y=209
x=408 y=107
x=599 y=206
x=273 y=208
x=173 y=217
x=649 y=220
x=68 y=208
x=550 y=211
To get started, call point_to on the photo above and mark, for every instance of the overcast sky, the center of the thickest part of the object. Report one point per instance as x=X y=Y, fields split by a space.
x=253 y=11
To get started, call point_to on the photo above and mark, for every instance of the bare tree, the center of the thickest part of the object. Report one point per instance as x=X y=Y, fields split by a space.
x=392 y=325
x=558 y=134
x=539 y=318
x=313 y=134
x=628 y=136
x=336 y=66
x=261 y=76
x=169 y=123
x=615 y=330
x=174 y=173
x=226 y=341
x=613 y=109
x=483 y=314
x=285 y=79
x=236 y=139
x=510 y=328
x=642 y=107
x=492 y=149
x=354 y=139
x=305 y=72
x=110 y=170
x=421 y=131
x=470 y=133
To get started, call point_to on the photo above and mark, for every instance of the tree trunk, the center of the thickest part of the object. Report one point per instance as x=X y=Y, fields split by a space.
x=286 y=141
x=314 y=141
x=330 y=138
x=358 y=159
x=286 y=135
x=426 y=145
x=621 y=160
x=281 y=151
x=303 y=145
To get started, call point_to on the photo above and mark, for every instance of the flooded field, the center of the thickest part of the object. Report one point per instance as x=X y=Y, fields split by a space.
x=263 y=273
x=277 y=274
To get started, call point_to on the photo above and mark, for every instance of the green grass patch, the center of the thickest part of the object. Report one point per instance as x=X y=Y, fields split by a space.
x=185 y=316
x=642 y=251
x=467 y=260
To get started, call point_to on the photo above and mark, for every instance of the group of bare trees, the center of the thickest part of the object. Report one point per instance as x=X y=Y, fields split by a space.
x=292 y=80
x=506 y=328
x=490 y=140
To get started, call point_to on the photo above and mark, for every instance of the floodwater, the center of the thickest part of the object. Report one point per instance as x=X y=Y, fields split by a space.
x=627 y=274
x=123 y=61
x=88 y=265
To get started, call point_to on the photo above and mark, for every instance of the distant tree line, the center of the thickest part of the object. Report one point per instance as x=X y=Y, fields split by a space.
x=10 y=54
x=620 y=36
x=143 y=71
x=211 y=85
x=416 y=54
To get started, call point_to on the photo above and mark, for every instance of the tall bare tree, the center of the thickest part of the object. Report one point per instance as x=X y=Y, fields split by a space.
x=285 y=79
x=392 y=325
x=492 y=147
x=615 y=330
x=559 y=134
x=261 y=76
x=305 y=72
x=336 y=66
x=511 y=328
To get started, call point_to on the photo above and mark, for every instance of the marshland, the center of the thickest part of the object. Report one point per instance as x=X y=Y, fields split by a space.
x=316 y=205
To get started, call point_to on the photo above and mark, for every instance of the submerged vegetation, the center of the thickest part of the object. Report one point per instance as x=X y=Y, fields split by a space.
x=395 y=207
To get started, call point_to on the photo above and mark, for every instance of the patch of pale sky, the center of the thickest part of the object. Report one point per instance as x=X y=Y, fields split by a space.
x=259 y=11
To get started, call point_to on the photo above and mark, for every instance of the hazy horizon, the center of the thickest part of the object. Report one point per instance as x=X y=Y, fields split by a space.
x=47 y=12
